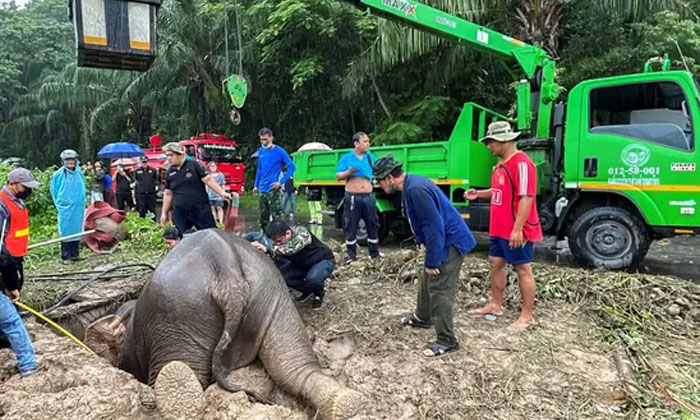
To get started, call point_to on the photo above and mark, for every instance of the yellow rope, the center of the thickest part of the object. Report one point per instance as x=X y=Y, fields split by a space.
x=55 y=325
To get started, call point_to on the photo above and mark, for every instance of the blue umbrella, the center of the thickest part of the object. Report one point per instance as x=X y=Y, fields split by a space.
x=120 y=150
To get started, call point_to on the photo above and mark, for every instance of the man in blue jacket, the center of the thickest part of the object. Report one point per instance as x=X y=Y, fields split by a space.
x=438 y=226
x=271 y=160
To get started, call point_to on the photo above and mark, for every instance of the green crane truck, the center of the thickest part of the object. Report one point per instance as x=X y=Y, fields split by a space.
x=616 y=163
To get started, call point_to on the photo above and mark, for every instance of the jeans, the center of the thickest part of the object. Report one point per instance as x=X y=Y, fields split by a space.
x=312 y=280
x=356 y=207
x=292 y=198
x=12 y=330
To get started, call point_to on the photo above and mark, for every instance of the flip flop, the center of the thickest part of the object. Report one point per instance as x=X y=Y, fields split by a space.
x=412 y=320
x=437 y=350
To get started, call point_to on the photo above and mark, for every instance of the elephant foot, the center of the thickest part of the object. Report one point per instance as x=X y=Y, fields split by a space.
x=343 y=405
x=179 y=394
x=334 y=401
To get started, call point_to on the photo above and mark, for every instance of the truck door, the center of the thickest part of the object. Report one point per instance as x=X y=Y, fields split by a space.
x=639 y=141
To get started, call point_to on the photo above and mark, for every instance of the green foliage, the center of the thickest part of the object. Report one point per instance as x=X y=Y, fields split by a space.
x=419 y=121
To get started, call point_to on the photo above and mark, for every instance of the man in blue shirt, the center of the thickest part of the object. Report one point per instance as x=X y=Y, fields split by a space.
x=355 y=168
x=439 y=227
x=271 y=160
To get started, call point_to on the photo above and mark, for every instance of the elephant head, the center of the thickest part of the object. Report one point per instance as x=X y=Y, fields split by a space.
x=106 y=336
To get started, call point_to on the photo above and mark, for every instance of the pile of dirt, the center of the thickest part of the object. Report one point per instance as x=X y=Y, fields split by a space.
x=568 y=365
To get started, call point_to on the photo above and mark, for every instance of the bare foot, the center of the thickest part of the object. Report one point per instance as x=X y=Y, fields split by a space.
x=490 y=309
x=522 y=324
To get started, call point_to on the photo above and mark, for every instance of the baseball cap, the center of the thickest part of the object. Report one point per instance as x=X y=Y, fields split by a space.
x=22 y=176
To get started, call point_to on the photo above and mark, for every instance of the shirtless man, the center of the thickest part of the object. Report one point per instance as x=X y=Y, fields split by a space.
x=355 y=168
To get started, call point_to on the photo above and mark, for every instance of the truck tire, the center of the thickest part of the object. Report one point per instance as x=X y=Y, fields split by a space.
x=609 y=237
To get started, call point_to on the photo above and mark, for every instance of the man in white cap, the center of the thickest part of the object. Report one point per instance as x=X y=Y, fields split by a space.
x=514 y=225
x=14 y=230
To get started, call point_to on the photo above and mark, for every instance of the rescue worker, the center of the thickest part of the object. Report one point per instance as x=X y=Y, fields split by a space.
x=514 y=226
x=68 y=193
x=439 y=227
x=355 y=168
x=185 y=191
x=146 y=187
x=271 y=160
x=14 y=218
x=304 y=261
x=125 y=198
x=172 y=236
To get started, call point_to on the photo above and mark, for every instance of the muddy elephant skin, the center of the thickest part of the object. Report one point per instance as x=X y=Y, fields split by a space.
x=216 y=304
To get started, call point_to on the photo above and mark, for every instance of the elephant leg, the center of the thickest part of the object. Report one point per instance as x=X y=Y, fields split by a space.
x=179 y=395
x=288 y=357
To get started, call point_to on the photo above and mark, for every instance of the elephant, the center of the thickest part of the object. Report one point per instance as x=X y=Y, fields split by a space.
x=216 y=304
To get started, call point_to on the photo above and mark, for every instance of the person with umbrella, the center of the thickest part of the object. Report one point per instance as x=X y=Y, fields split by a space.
x=68 y=193
x=185 y=191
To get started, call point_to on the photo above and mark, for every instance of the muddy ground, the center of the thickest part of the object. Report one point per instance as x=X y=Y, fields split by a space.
x=565 y=367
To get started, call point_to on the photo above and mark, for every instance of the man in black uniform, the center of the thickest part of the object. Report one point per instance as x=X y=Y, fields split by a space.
x=185 y=191
x=146 y=187
x=304 y=261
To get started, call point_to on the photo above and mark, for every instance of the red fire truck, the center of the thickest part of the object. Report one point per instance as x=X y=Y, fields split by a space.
x=207 y=147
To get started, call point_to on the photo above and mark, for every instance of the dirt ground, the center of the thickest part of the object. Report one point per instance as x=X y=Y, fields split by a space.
x=563 y=368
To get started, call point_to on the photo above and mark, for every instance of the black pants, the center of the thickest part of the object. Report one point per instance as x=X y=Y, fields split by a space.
x=70 y=250
x=199 y=217
x=146 y=203
x=11 y=271
x=124 y=201
x=356 y=207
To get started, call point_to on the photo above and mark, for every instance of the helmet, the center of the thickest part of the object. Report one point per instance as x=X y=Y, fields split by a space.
x=69 y=154
x=384 y=166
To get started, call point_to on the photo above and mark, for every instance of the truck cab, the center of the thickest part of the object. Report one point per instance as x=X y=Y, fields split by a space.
x=209 y=147
x=630 y=160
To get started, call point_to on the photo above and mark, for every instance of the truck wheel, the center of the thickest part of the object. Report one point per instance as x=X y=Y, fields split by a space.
x=609 y=237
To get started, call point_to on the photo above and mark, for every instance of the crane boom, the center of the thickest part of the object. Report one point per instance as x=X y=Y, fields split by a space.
x=532 y=67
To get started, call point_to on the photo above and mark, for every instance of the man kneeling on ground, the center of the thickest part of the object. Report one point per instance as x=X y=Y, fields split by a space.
x=304 y=261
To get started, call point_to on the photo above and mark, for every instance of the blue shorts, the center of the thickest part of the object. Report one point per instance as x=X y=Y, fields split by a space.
x=499 y=247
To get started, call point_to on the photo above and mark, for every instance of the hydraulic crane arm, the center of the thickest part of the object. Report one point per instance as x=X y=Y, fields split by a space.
x=536 y=90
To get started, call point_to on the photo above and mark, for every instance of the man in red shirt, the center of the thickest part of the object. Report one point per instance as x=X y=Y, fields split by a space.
x=514 y=225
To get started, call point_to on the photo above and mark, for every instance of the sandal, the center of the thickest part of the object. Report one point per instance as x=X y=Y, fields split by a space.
x=437 y=350
x=412 y=320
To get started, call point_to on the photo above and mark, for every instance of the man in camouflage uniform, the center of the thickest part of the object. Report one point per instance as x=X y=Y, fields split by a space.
x=271 y=160
x=304 y=261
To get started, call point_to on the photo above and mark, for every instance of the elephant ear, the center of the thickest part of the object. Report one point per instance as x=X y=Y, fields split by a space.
x=106 y=338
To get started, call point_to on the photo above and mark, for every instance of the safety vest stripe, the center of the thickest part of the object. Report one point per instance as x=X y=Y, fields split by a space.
x=22 y=233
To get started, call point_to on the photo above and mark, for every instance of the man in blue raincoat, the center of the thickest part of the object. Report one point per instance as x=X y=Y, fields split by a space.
x=68 y=193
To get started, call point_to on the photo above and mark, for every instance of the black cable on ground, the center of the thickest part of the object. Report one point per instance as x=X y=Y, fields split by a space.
x=93 y=279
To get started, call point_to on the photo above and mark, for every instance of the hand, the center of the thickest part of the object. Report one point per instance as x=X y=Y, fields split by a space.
x=352 y=170
x=471 y=194
x=226 y=196
x=255 y=191
x=516 y=239
x=163 y=218
x=432 y=271
x=276 y=185
x=259 y=246
x=13 y=295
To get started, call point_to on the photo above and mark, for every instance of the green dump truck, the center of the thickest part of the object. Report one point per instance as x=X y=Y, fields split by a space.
x=616 y=163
